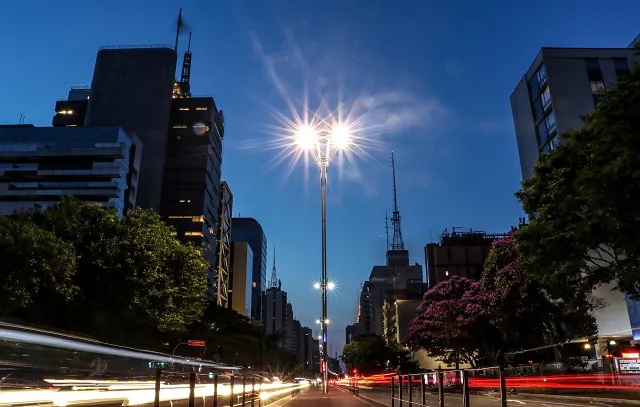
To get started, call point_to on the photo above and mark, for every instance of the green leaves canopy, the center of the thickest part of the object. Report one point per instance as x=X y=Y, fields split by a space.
x=127 y=280
x=584 y=200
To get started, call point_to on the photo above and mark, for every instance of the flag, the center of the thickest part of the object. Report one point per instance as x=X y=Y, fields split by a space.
x=183 y=26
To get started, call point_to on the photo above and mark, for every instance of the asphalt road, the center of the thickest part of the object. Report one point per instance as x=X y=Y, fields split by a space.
x=455 y=400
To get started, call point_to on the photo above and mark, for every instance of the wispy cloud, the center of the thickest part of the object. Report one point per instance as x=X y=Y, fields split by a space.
x=375 y=115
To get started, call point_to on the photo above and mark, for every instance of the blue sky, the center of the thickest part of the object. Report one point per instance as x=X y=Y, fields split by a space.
x=438 y=73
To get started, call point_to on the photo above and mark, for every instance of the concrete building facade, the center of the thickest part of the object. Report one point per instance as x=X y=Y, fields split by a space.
x=274 y=312
x=39 y=165
x=458 y=254
x=396 y=275
x=561 y=86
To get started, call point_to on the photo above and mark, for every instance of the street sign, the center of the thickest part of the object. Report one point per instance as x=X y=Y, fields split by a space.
x=193 y=342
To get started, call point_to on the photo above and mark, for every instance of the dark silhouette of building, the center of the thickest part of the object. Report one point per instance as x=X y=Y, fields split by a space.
x=458 y=253
x=249 y=230
x=134 y=87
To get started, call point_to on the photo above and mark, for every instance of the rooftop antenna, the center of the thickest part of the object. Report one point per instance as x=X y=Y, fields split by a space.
x=186 y=70
x=398 y=242
x=386 y=228
x=274 y=280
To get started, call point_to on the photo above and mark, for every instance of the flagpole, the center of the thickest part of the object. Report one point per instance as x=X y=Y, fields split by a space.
x=178 y=29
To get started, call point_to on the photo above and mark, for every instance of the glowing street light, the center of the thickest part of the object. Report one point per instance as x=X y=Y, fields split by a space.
x=323 y=140
x=316 y=286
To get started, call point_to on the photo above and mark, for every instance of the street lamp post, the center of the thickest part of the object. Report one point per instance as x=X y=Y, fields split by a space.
x=323 y=143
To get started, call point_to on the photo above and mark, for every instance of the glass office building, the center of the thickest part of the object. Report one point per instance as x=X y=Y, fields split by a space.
x=249 y=230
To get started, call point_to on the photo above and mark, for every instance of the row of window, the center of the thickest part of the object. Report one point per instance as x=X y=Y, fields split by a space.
x=198 y=108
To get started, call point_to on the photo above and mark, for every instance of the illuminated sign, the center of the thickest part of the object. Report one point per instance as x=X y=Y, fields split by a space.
x=628 y=366
x=192 y=342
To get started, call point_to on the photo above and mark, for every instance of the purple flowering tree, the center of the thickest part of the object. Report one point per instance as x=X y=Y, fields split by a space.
x=450 y=324
x=461 y=320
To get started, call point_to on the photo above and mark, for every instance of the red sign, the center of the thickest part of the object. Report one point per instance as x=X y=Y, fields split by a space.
x=192 y=342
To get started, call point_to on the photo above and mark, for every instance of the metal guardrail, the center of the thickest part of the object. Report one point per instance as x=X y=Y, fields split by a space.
x=423 y=378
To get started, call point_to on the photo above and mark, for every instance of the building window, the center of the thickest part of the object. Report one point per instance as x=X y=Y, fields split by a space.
x=543 y=136
x=185 y=200
x=541 y=76
x=202 y=108
x=597 y=86
x=546 y=98
x=179 y=126
x=550 y=121
x=622 y=67
x=593 y=69
x=65 y=112
x=184 y=108
x=199 y=234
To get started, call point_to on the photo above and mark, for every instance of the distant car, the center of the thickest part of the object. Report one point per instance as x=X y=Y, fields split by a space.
x=23 y=379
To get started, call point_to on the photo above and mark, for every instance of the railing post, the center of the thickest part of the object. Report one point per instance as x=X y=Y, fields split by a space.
x=503 y=388
x=244 y=390
x=215 y=391
x=440 y=388
x=192 y=389
x=465 y=388
x=400 y=389
x=156 y=400
x=423 y=389
x=410 y=387
x=231 y=395
x=393 y=391
x=253 y=390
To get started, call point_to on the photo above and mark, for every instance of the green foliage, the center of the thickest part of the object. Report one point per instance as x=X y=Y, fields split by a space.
x=584 y=201
x=370 y=354
x=136 y=283
x=478 y=322
x=233 y=340
x=37 y=270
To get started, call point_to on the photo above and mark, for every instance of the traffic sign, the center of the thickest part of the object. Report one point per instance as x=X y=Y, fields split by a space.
x=193 y=342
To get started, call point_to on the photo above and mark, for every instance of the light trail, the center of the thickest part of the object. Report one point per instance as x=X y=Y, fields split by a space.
x=139 y=396
x=46 y=338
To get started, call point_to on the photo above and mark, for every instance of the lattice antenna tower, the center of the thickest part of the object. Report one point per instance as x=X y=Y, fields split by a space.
x=397 y=242
x=274 y=280
x=386 y=228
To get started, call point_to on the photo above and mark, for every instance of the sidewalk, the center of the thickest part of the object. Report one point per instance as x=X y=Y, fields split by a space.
x=337 y=397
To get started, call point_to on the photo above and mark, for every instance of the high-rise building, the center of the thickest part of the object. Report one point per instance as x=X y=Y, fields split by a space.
x=561 y=86
x=396 y=275
x=220 y=278
x=274 y=312
x=458 y=254
x=308 y=349
x=192 y=196
x=134 y=87
x=240 y=279
x=400 y=307
x=39 y=165
x=353 y=332
x=249 y=230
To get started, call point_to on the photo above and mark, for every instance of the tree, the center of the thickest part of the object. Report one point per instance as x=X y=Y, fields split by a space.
x=370 y=354
x=524 y=311
x=478 y=322
x=448 y=325
x=36 y=277
x=584 y=200
x=138 y=285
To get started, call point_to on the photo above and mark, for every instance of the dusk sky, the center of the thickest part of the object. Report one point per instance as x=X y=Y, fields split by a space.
x=435 y=78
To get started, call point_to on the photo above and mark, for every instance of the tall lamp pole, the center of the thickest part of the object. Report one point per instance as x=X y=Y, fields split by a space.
x=323 y=143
